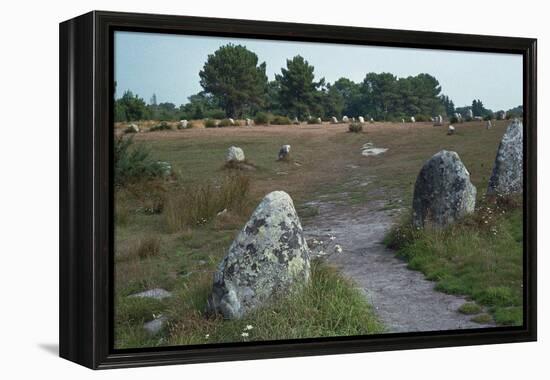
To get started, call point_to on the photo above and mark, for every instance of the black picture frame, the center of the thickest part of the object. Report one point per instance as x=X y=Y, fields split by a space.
x=86 y=202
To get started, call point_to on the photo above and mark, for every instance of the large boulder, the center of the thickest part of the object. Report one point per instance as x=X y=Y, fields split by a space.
x=268 y=257
x=234 y=154
x=284 y=152
x=443 y=192
x=507 y=177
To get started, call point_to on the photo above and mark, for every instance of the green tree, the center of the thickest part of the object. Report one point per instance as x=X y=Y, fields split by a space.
x=351 y=95
x=299 y=94
x=131 y=107
x=234 y=78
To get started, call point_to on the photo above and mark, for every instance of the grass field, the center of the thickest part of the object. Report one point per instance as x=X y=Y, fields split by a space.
x=154 y=251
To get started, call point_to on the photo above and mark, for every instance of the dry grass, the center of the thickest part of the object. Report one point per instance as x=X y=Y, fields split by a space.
x=196 y=205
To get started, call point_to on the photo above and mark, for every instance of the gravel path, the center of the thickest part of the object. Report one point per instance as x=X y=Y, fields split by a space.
x=403 y=299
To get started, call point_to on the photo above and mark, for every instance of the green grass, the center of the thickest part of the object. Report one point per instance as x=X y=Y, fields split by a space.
x=470 y=308
x=328 y=305
x=480 y=257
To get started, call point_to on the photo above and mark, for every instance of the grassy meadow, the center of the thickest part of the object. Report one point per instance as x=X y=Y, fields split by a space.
x=172 y=232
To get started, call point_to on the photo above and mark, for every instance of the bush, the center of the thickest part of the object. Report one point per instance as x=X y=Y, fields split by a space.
x=488 y=117
x=453 y=120
x=422 y=118
x=210 y=123
x=313 y=120
x=163 y=126
x=198 y=204
x=133 y=163
x=355 y=127
x=215 y=114
x=262 y=118
x=281 y=120
x=225 y=123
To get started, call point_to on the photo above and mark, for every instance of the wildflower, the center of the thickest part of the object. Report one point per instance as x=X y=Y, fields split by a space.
x=249 y=327
x=338 y=248
x=244 y=334
x=332 y=238
x=207 y=336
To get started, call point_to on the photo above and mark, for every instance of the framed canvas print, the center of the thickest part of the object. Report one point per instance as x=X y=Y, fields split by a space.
x=237 y=189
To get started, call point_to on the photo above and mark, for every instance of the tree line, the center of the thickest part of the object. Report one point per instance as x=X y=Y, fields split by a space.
x=235 y=85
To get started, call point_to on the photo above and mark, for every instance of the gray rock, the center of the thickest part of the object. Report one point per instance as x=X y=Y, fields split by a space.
x=232 y=121
x=345 y=119
x=507 y=176
x=443 y=192
x=134 y=128
x=155 y=326
x=361 y=119
x=451 y=130
x=165 y=167
x=234 y=154
x=319 y=121
x=157 y=293
x=183 y=124
x=268 y=257
x=284 y=152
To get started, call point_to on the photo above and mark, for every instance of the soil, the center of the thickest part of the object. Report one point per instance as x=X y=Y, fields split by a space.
x=403 y=299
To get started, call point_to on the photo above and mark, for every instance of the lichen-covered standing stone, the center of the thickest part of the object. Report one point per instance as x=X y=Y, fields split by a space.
x=507 y=177
x=269 y=256
x=443 y=192
x=235 y=154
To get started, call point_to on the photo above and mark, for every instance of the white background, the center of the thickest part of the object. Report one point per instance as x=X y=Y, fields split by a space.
x=29 y=187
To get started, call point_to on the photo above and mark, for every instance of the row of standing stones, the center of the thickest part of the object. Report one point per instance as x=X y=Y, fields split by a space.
x=270 y=255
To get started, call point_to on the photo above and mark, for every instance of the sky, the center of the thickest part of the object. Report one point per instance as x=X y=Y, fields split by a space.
x=168 y=66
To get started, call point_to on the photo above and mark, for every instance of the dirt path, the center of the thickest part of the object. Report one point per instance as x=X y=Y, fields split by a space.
x=403 y=299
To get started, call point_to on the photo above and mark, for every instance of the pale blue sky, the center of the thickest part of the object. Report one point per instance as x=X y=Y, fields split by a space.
x=169 y=65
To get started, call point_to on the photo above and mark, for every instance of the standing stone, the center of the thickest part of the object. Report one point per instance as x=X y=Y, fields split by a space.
x=248 y=123
x=234 y=154
x=403 y=121
x=295 y=121
x=413 y=120
x=334 y=120
x=319 y=121
x=284 y=152
x=507 y=177
x=132 y=128
x=470 y=114
x=371 y=120
x=501 y=115
x=268 y=257
x=183 y=124
x=451 y=130
x=361 y=119
x=488 y=125
x=443 y=192
x=232 y=121
x=345 y=119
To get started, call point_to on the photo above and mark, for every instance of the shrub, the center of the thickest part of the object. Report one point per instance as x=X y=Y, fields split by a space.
x=313 y=120
x=225 y=123
x=488 y=117
x=133 y=163
x=163 y=126
x=210 y=123
x=198 y=204
x=262 y=118
x=355 y=127
x=281 y=120
x=453 y=120
x=216 y=114
x=422 y=118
